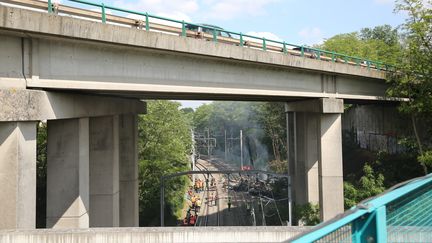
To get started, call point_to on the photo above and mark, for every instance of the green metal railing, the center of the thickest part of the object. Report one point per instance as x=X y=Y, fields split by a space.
x=403 y=214
x=302 y=50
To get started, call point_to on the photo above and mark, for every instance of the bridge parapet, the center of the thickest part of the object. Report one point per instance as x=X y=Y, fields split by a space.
x=401 y=214
x=155 y=235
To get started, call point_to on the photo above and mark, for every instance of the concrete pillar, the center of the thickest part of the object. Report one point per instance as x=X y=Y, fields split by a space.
x=330 y=166
x=128 y=151
x=318 y=168
x=104 y=171
x=18 y=175
x=307 y=158
x=68 y=173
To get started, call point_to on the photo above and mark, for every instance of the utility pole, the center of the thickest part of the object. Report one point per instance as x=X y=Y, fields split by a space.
x=225 y=143
x=162 y=202
x=208 y=142
x=289 y=172
x=241 y=149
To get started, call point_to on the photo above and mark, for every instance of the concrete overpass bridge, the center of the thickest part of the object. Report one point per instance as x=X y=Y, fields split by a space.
x=87 y=79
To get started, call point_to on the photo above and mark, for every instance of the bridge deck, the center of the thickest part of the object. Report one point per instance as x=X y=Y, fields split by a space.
x=67 y=53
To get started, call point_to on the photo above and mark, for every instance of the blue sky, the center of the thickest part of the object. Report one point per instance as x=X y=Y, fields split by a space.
x=295 y=21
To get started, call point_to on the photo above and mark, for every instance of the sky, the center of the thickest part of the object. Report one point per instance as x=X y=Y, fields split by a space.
x=294 y=21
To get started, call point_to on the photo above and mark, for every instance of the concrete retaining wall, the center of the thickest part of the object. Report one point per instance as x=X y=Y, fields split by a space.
x=376 y=127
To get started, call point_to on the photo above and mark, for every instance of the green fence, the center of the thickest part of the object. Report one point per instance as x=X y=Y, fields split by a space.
x=264 y=43
x=402 y=214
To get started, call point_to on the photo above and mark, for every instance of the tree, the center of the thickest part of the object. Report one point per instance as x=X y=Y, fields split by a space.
x=202 y=116
x=271 y=116
x=384 y=33
x=164 y=132
x=413 y=79
x=164 y=146
x=380 y=43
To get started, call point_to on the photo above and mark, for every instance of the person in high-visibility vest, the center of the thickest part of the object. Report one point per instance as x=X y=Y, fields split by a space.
x=201 y=185
x=193 y=200
x=198 y=205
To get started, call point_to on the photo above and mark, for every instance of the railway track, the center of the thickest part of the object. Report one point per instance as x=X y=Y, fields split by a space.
x=204 y=219
x=239 y=198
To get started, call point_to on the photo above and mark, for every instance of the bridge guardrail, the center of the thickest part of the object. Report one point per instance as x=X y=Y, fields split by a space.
x=402 y=214
x=242 y=39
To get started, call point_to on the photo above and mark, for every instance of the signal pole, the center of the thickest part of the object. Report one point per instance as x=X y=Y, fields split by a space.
x=241 y=149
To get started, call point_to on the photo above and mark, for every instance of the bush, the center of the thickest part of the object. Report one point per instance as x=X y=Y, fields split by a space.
x=426 y=158
x=370 y=184
x=306 y=214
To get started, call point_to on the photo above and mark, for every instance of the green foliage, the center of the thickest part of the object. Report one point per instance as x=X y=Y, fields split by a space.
x=164 y=146
x=413 y=79
x=41 y=174
x=271 y=116
x=187 y=110
x=41 y=156
x=222 y=114
x=306 y=214
x=380 y=43
x=426 y=158
x=370 y=184
x=202 y=116
x=384 y=33
x=164 y=133
x=278 y=166
x=396 y=167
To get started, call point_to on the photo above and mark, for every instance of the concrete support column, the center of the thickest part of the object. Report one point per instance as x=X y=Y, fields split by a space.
x=68 y=173
x=17 y=175
x=307 y=158
x=128 y=151
x=318 y=167
x=330 y=166
x=104 y=171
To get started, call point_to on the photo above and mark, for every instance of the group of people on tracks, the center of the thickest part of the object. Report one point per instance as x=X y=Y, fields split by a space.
x=195 y=199
x=194 y=208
